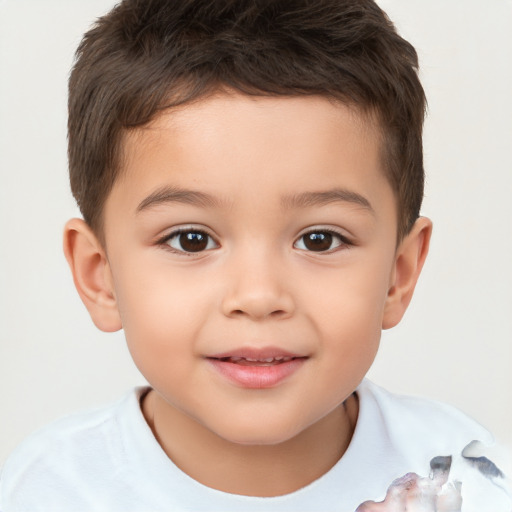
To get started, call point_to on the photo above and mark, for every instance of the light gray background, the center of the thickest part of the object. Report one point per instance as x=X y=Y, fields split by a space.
x=455 y=343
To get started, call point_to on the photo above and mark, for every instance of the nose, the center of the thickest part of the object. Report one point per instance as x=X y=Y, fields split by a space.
x=258 y=289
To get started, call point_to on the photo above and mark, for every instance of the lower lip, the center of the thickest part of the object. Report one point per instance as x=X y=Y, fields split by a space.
x=257 y=377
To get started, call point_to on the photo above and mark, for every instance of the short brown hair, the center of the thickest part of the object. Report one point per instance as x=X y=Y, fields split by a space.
x=148 y=55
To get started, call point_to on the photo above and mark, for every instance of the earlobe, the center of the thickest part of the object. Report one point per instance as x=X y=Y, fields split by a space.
x=91 y=274
x=409 y=260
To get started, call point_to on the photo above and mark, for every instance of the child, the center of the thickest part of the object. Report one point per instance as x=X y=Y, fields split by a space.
x=250 y=175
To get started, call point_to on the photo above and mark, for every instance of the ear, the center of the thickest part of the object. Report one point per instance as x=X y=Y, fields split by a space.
x=91 y=274
x=409 y=260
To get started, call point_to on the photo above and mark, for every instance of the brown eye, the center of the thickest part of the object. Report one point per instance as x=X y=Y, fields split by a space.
x=191 y=241
x=320 y=241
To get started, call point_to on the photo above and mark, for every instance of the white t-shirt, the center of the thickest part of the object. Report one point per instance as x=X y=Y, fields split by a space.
x=109 y=460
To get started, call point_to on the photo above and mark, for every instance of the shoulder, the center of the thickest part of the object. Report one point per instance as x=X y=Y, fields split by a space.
x=66 y=452
x=421 y=419
x=425 y=436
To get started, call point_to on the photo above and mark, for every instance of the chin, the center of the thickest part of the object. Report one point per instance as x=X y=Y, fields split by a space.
x=263 y=440
x=261 y=433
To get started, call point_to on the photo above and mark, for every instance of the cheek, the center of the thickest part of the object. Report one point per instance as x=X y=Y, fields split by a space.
x=351 y=299
x=347 y=315
x=161 y=314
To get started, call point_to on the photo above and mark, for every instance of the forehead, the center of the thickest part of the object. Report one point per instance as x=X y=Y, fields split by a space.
x=221 y=111
x=229 y=145
x=246 y=124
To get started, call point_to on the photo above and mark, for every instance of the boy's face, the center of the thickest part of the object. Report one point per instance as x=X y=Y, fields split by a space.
x=258 y=228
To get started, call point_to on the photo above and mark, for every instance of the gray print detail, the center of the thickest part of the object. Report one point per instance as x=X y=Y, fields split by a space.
x=485 y=466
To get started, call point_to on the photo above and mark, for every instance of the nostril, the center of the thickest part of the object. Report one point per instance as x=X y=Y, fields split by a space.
x=257 y=304
x=273 y=314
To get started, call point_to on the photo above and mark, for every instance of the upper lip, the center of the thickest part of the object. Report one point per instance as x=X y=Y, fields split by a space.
x=257 y=354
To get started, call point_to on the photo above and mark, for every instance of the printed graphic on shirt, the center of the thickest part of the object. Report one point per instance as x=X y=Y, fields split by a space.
x=440 y=491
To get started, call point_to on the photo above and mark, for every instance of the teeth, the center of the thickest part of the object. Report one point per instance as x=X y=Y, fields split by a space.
x=277 y=359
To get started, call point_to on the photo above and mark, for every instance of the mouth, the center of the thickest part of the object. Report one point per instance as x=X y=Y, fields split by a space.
x=249 y=361
x=257 y=369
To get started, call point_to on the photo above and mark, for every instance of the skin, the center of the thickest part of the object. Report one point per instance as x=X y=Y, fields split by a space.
x=255 y=285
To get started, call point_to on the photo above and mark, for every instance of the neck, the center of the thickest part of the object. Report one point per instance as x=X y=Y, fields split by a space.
x=252 y=470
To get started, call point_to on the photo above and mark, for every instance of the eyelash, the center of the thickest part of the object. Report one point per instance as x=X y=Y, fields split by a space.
x=343 y=241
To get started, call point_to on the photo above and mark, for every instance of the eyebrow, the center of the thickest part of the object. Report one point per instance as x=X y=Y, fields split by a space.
x=169 y=194
x=308 y=199
x=172 y=194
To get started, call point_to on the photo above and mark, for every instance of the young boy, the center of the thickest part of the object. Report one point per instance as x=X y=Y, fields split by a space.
x=250 y=176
